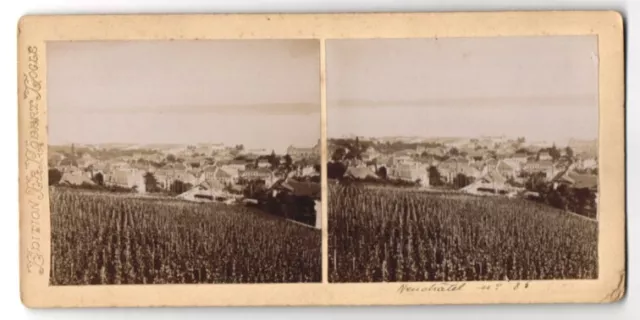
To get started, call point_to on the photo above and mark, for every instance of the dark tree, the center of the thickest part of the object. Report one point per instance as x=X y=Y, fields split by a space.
x=382 y=172
x=460 y=181
x=558 y=197
x=288 y=161
x=54 y=176
x=536 y=183
x=339 y=154
x=569 y=152
x=98 y=178
x=336 y=170
x=434 y=176
x=355 y=150
x=317 y=168
x=150 y=182
x=273 y=160
x=454 y=152
x=554 y=152
x=178 y=187
x=583 y=201
x=171 y=158
x=254 y=189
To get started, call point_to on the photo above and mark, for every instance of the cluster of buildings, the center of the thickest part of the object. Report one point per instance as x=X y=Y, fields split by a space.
x=215 y=167
x=488 y=165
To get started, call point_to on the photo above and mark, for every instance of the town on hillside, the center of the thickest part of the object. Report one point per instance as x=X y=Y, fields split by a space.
x=285 y=184
x=565 y=176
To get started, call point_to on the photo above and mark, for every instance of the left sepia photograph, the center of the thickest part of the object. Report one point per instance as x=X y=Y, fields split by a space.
x=184 y=162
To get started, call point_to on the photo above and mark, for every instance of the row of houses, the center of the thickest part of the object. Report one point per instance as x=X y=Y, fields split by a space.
x=499 y=178
x=487 y=173
x=507 y=152
x=226 y=173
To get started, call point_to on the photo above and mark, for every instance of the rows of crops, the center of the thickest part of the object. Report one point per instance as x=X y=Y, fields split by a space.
x=100 y=238
x=395 y=235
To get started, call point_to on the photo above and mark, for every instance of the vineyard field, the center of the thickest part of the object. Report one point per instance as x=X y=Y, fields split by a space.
x=391 y=235
x=102 y=238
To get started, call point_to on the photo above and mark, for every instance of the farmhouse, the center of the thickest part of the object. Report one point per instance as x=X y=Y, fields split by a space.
x=186 y=177
x=127 y=178
x=491 y=183
x=359 y=173
x=411 y=173
x=576 y=180
x=75 y=179
x=206 y=191
x=450 y=168
x=164 y=178
x=216 y=174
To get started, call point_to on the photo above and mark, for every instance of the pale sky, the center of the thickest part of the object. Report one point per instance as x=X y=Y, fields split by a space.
x=261 y=93
x=543 y=88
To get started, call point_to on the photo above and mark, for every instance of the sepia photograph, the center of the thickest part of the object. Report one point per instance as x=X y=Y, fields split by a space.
x=462 y=159
x=183 y=162
x=321 y=159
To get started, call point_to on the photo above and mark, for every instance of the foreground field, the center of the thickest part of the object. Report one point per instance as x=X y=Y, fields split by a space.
x=395 y=235
x=100 y=238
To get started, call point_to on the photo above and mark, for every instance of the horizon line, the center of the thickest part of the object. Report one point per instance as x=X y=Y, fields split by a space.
x=284 y=108
x=470 y=102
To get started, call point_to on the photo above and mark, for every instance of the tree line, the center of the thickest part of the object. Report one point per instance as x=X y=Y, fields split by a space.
x=578 y=200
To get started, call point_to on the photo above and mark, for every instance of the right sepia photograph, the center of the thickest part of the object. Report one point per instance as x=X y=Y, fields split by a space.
x=462 y=159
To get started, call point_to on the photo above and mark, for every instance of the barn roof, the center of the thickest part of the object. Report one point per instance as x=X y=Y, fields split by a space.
x=299 y=188
x=577 y=180
x=493 y=176
x=589 y=181
x=359 y=173
x=75 y=179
